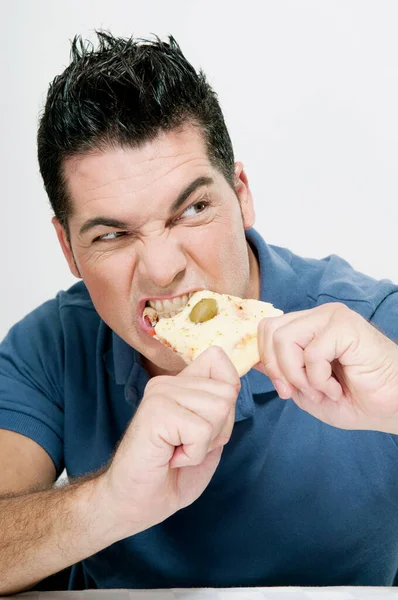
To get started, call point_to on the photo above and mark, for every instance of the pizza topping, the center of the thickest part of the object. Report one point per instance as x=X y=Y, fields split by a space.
x=204 y=310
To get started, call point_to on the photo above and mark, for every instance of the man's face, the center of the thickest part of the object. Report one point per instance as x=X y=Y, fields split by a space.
x=153 y=224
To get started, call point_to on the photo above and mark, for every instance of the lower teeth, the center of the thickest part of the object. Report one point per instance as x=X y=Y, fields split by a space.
x=170 y=314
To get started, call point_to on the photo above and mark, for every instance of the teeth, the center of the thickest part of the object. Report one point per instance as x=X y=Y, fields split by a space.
x=167 y=306
x=171 y=306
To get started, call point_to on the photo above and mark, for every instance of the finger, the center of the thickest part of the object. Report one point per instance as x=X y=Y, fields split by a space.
x=225 y=434
x=213 y=363
x=283 y=388
x=211 y=399
x=326 y=410
x=283 y=347
x=213 y=409
x=180 y=428
x=270 y=325
x=192 y=453
x=320 y=355
x=213 y=387
x=212 y=457
x=268 y=360
x=327 y=345
x=289 y=344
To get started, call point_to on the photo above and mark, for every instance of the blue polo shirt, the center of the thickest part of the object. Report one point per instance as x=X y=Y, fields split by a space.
x=293 y=501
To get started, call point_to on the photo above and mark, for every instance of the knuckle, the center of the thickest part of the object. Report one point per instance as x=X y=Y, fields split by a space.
x=155 y=382
x=149 y=386
x=338 y=309
x=221 y=440
x=232 y=392
x=205 y=429
x=342 y=309
x=340 y=306
x=342 y=315
x=223 y=406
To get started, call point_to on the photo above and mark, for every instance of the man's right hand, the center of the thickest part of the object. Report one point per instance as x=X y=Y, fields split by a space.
x=165 y=460
x=174 y=443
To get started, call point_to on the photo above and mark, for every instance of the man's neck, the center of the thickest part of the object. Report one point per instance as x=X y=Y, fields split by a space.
x=253 y=290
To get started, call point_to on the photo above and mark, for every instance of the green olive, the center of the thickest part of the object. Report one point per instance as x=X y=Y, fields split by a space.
x=204 y=310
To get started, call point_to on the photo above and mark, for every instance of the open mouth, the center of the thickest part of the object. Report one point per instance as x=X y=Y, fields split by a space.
x=164 y=309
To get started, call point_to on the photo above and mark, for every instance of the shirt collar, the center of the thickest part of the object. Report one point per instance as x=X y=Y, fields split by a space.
x=279 y=284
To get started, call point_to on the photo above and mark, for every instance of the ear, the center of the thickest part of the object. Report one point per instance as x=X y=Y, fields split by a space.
x=66 y=248
x=244 y=194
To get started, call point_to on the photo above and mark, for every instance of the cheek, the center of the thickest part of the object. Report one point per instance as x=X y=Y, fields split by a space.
x=219 y=248
x=108 y=275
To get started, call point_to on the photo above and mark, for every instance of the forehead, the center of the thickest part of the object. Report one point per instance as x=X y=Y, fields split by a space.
x=156 y=170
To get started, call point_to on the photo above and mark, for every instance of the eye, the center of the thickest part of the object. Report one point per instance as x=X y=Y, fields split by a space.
x=110 y=237
x=195 y=209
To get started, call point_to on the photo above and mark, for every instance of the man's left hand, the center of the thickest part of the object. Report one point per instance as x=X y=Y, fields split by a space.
x=334 y=365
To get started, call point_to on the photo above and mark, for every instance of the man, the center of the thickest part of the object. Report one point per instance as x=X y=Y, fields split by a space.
x=187 y=476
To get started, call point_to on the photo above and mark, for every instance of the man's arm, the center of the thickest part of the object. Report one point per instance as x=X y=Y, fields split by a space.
x=46 y=531
x=42 y=532
x=165 y=460
x=24 y=464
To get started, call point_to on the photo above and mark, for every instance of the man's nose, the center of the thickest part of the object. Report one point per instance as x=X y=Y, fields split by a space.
x=161 y=261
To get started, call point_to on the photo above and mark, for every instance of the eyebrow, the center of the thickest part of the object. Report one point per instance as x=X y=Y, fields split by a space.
x=115 y=224
x=104 y=221
x=190 y=189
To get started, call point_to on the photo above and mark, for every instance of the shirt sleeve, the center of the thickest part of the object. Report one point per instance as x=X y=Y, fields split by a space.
x=385 y=317
x=31 y=377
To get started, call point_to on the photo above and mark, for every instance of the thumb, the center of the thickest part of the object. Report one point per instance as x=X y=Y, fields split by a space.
x=213 y=363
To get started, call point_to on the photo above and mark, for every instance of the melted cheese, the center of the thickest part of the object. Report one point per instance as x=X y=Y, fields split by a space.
x=232 y=328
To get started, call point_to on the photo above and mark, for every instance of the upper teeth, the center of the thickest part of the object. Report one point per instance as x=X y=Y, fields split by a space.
x=170 y=306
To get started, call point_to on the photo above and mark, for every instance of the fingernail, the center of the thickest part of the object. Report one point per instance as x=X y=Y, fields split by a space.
x=281 y=387
x=310 y=394
x=333 y=397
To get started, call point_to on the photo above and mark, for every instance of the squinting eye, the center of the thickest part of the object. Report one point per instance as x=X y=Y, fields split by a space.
x=112 y=235
x=198 y=207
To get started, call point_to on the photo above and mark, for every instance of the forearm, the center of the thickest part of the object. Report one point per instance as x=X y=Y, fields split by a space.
x=47 y=531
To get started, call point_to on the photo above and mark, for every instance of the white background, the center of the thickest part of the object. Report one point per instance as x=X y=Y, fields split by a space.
x=310 y=94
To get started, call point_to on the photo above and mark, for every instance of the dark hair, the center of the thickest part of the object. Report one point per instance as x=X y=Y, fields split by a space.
x=124 y=93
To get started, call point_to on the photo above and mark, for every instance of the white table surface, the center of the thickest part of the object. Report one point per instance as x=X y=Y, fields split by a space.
x=280 y=593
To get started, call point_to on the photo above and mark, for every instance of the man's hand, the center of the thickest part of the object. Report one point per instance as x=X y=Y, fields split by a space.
x=334 y=365
x=174 y=443
x=165 y=460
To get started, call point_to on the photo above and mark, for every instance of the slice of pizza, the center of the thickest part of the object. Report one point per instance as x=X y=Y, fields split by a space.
x=214 y=319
